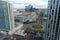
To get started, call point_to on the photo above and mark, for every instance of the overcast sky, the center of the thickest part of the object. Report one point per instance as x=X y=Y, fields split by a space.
x=35 y=3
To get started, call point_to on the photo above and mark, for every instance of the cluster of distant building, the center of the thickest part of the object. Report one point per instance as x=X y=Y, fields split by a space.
x=11 y=19
x=30 y=8
x=27 y=14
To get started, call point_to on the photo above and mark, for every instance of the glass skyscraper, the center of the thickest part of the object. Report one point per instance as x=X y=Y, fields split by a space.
x=53 y=23
x=6 y=16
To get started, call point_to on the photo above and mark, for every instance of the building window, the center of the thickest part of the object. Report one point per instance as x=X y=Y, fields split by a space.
x=50 y=7
x=52 y=12
x=54 y=2
x=49 y=26
x=48 y=33
x=50 y=16
x=49 y=38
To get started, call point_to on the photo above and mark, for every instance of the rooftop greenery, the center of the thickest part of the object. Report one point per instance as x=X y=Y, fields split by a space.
x=37 y=26
x=30 y=22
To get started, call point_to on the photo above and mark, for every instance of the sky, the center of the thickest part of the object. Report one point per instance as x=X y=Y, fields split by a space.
x=35 y=3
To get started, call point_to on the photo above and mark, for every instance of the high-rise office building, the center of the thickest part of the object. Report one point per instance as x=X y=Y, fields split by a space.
x=53 y=22
x=6 y=16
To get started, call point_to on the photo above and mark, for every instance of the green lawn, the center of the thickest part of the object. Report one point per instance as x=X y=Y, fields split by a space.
x=37 y=26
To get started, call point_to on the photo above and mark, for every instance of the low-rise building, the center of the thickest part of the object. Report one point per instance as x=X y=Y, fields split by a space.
x=26 y=16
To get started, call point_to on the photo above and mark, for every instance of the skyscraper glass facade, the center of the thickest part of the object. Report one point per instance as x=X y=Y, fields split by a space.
x=53 y=22
x=4 y=16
